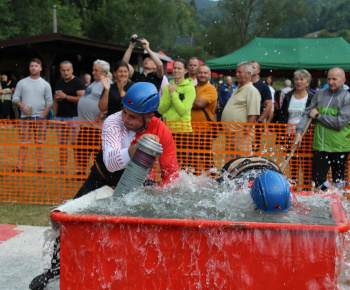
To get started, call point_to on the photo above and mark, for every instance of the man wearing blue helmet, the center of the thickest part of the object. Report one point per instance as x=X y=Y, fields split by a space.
x=120 y=133
x=270 y=192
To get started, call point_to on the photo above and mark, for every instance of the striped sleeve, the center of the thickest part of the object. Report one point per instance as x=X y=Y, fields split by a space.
x=115 y=155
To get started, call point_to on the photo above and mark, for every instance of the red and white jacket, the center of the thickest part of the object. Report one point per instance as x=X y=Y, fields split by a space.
x=116 y=140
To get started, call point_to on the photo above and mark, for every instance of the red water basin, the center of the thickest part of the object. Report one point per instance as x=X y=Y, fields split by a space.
x=104 y=252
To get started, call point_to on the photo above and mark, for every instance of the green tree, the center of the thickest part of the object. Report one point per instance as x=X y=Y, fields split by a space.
x=160 y=22
x=34 y=17
x=338 y=17
x=216 y=41
x=240 y=17
x=113 y=22
x=262 y=17
x=68 y=20
x=187 y=52
x=324 y=34
x=271 y=15
x=344 y=34
x=6 y=19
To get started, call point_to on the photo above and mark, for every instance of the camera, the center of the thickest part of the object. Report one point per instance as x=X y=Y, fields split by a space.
x=134 y=39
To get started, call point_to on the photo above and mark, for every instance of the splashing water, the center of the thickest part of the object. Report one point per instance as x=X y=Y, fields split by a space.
x=204 y=198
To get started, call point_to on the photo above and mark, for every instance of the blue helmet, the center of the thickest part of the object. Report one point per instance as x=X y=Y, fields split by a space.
x=142 y=98
x=270 y=192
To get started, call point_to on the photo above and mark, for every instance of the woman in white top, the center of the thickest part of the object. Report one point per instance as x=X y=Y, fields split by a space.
x=293 y=106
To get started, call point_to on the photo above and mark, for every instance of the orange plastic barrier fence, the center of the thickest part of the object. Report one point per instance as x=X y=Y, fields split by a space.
x=45 y=162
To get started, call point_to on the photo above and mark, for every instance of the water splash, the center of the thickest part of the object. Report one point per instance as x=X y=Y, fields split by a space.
x=201 y=197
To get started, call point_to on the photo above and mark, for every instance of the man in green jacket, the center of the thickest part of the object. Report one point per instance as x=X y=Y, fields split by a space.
x=330 y=108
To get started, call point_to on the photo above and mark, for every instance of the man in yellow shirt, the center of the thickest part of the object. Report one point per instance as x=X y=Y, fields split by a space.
x=203 y=110
x=242 y=107
x=204 y=105
x=244 y=104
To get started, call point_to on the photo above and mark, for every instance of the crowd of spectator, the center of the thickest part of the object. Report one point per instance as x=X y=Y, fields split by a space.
x=190 y=96
x=104 y=108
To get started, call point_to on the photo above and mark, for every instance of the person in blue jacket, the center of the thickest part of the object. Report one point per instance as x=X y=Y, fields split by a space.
x=225 y=92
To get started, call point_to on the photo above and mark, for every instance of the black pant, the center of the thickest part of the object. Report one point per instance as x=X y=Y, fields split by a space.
x=322 y=161
x=94 y=181
x=6 y=107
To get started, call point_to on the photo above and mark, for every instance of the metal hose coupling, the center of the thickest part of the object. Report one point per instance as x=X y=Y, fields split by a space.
x=139 y=166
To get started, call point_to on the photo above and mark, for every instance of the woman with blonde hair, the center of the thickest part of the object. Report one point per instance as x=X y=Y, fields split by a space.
x=293 y=106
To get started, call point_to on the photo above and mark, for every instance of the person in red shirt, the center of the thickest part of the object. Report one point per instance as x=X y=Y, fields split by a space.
x=120 y=133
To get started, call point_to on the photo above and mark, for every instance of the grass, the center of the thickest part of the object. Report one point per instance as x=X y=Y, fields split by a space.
x=25 y=214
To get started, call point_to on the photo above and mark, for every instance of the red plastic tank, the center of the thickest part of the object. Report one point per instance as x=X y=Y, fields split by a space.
x=103 y=252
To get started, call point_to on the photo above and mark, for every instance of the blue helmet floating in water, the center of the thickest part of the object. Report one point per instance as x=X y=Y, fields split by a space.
x=142 y=98
x=270 y=192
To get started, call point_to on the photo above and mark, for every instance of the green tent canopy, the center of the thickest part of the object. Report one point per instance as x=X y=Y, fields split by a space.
x=288 y=54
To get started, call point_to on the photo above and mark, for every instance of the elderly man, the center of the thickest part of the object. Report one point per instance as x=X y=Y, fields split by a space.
x=330 y=108
x=244 y=104
x=89 y=113
x=153 y=70
x=242 y=107
x=287 y=88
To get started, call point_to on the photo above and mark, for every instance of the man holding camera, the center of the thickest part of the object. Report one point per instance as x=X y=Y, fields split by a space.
x=152 y=66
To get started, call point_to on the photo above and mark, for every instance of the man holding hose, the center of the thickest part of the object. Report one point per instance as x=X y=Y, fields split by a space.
x=120 y=133
x=330 y=108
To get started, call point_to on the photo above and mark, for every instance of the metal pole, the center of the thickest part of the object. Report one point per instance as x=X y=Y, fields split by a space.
x=54 y=16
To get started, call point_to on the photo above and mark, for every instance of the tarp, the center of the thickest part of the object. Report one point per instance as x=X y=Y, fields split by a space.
x=288 y=54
